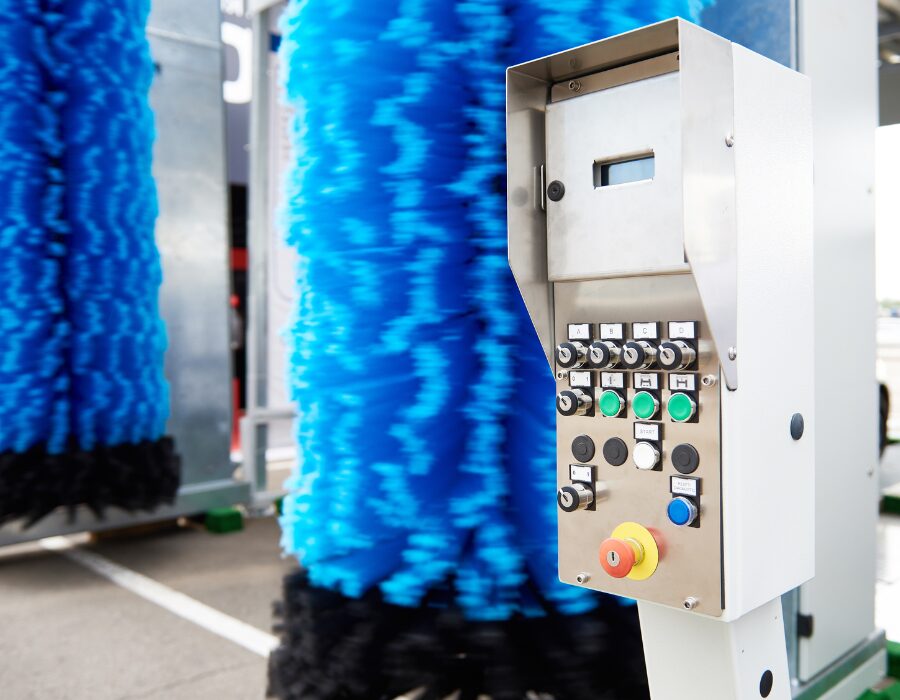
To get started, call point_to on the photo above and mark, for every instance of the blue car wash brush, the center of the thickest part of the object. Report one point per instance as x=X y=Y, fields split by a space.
x=82 y=393
x=422 y=508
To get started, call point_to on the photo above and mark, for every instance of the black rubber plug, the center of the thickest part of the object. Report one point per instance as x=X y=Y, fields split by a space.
x=796 y=426
x=556 y=191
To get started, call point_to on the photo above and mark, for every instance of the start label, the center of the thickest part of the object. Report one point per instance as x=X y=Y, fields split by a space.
x=646 y=431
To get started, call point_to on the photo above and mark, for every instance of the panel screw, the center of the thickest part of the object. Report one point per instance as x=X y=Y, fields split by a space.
x=729 y=140
x=690 y=603
x=575 y=85
x=732 y=353
x=583 y=577
x=708 y=380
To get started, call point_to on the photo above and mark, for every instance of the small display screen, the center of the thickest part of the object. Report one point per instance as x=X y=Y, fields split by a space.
x=620 y=172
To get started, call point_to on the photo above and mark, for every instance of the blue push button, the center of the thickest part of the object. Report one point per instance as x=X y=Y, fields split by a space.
x=681 y=511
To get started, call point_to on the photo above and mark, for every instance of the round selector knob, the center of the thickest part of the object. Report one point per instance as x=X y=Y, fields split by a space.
x=604 y=354
x=646 y=456
x=619 y=556
x=570 y=355
x=681 y=511
x=611 y=403
x=685 y=458
x=638 y=354
x=583 y=449
x=675 y=355
x=574 y=497
x=573 y=402
x=681 y=407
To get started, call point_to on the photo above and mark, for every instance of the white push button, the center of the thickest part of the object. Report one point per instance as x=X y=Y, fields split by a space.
x=646 y=456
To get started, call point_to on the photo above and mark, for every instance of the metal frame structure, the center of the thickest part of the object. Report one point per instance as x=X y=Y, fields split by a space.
x=260 y=415
x=841 y=653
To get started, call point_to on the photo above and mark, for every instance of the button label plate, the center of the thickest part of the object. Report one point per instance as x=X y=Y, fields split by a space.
x=612 y=331
x=685 y=486
x=612 y=380
x=581 y=380
x=683 y=329
x=645 y=331
x=581 y=473
x=579 y=331
x=682 y=382
x=646 y=431
x=646 y=380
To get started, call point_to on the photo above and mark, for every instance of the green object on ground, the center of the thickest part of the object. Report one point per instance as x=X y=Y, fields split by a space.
x=279 y=505
x=890 y=503
x=888 y=691
x=893 y=650
x=222 y=520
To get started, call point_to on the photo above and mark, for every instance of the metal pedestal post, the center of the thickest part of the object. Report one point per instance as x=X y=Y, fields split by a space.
x=691 y=656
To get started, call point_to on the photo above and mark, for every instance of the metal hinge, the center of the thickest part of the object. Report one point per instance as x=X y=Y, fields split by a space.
x=804 y=625
x=543 y=187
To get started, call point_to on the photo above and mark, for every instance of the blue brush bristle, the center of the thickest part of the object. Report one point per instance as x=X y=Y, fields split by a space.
x=81 y=339
x=29 y=308
x=426 y=428
x=112 y=271
x=81 y=331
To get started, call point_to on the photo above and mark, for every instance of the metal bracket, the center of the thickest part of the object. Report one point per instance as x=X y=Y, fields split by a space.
x=710 y=222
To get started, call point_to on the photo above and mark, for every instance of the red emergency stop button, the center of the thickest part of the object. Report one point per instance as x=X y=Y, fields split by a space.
x=619 y=556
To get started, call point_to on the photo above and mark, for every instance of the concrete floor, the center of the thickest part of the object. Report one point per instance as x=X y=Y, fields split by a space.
x=66 y=632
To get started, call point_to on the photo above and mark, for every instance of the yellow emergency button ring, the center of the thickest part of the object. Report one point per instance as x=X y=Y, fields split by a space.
x=639 y=533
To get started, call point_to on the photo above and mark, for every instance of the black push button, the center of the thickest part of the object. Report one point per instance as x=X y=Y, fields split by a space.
x=583 y=449
x=615 y=451
x=685 y=458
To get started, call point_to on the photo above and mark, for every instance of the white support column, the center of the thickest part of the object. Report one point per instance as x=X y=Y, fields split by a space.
x=692 y=656
x=837 y=49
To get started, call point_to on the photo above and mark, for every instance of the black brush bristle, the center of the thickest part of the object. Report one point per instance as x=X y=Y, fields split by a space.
x=131 y=476
x=338 y=648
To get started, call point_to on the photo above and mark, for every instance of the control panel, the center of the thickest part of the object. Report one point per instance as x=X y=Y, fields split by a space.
x=659 y=201
x=638 y=471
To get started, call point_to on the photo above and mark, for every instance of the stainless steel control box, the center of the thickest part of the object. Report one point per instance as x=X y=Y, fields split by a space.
x=660 y=232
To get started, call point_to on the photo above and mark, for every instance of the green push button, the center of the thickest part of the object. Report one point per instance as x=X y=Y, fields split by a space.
x=644 y=405
x=611 y=404
x=681 y=407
